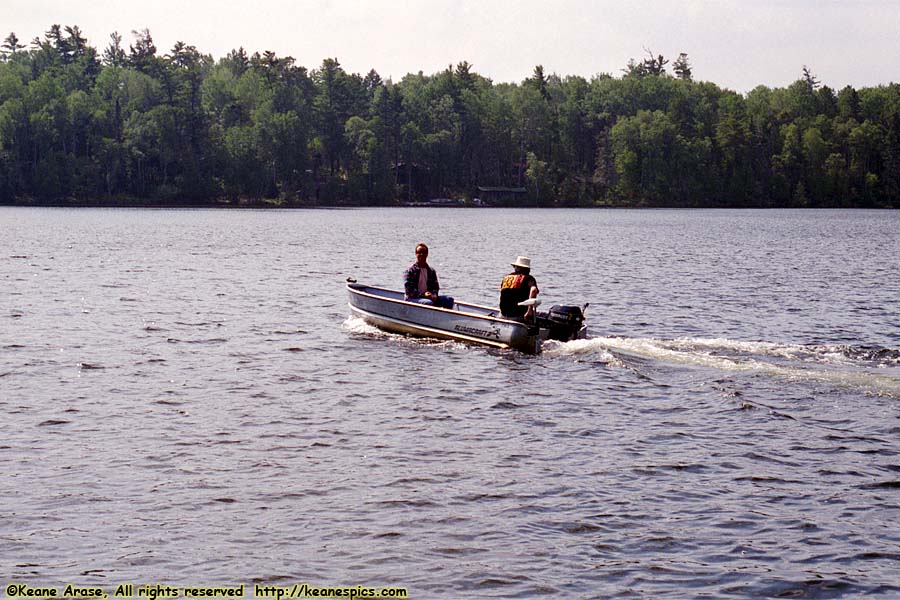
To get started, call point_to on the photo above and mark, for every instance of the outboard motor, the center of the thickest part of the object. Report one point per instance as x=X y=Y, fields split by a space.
x=563 y=323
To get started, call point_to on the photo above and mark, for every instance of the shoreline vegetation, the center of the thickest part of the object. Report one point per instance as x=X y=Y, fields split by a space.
x=136 y=127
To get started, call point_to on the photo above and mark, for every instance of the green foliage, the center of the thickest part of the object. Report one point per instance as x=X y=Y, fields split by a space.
x=139 y=122
x=652 y=159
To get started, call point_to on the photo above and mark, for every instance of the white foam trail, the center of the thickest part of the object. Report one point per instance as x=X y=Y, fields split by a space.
x=785 y=350
x=698 y=353
x=825 y=353
x=577 y=348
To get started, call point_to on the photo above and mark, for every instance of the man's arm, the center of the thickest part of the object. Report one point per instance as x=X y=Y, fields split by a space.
x=411 y=283
x=533 y=291
x=434 y=287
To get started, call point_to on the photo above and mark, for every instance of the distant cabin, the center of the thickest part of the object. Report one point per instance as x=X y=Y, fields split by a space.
x=500 y=196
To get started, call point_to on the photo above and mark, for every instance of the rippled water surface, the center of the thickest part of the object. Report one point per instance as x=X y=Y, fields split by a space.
x=184 y=399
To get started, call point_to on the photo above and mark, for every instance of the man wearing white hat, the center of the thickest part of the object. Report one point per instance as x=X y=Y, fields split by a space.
x=517 y=287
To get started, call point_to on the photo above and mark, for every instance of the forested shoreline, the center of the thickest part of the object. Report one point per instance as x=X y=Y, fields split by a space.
x=131 y=125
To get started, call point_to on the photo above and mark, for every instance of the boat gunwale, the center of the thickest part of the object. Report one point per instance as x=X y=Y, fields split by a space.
x=361 y=292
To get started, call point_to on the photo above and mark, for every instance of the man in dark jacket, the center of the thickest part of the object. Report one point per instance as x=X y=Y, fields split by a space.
x=421 y=282
x=517 y=287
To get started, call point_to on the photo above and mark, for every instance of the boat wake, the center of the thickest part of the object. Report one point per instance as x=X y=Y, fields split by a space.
x=875 y=370
x=359 y=326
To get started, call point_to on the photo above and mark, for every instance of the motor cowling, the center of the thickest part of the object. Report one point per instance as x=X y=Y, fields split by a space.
x=562 y=322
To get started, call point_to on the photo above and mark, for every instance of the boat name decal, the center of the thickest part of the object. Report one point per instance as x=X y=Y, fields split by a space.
x=480 y=332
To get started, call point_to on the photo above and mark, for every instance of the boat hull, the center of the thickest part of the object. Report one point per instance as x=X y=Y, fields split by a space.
x=387 y=310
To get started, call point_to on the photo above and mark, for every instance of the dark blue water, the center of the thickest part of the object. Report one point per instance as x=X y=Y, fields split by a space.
x=185 y=400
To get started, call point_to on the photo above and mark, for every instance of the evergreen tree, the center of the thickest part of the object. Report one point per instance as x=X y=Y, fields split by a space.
x=682 y=67
x=10 y=46
x=114 y=54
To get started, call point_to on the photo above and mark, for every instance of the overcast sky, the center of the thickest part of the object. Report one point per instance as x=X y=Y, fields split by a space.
x=735 y=44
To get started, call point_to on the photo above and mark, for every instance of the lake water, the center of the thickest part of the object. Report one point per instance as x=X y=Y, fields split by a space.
x=184 y=400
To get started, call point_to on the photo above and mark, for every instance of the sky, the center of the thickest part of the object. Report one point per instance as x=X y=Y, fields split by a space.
x=736 y=44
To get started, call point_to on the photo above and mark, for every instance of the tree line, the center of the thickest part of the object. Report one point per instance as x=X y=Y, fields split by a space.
x=131 y=125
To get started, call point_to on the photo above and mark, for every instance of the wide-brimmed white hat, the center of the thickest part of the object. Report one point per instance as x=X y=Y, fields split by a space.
x=522 y=261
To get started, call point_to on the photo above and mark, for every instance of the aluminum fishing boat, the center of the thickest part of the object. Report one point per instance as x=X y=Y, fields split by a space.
x=387 y=310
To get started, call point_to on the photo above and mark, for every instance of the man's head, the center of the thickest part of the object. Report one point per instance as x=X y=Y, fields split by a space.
x=522 y=265
x=421 y=254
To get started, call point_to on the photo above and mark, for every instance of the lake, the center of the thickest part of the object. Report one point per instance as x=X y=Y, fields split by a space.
x=185 y=400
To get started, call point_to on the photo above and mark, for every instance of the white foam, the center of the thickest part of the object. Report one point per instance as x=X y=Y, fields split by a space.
x=693 y=352
x=786 y=350
x=831 y=354
x=579 y=348
x=358 y=325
